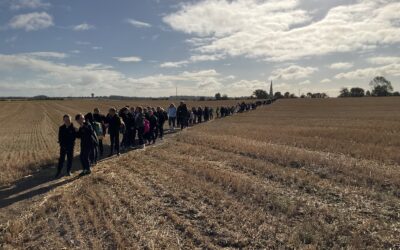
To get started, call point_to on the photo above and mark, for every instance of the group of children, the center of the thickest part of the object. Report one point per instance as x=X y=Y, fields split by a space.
x=145 y=124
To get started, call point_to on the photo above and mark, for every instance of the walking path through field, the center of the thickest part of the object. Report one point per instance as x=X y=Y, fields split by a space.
x=33 y=188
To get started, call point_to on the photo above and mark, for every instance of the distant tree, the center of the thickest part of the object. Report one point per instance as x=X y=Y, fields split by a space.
x=260 y=94
x=381 y=86
x=368 y=93
x=278 y=95
x=218 y=96
x=224 y=97
x=357 y=92
x=292 y=96
x=202 y=98
x=396 y=93
x=344 y=92
x=302 y=96
x=309 y=95
x=286 y=95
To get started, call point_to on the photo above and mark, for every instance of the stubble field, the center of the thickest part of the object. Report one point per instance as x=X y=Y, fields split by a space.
x=296 y=174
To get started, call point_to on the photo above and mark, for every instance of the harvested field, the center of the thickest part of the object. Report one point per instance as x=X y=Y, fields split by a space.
x=301 y=173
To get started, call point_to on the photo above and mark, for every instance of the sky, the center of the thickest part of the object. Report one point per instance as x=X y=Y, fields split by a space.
x=150 y=48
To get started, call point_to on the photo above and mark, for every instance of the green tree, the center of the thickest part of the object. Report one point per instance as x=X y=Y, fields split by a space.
x=286 y=95
x=381 y=86
x=368 y=93
x=218 y=96
x=224 y=97
x=260 y=94
x=278 y=95
x=344 y=92
x=357 y=92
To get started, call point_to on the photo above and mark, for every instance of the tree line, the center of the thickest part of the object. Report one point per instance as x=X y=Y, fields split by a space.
x=380 y=86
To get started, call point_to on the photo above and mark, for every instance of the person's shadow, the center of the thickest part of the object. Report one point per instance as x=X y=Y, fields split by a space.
x=44 y=179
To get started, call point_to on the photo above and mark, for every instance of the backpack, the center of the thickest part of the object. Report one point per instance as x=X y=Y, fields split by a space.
x=146 y=126
x=98 y=129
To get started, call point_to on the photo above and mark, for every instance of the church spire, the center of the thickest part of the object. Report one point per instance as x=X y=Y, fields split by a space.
x=271 y=92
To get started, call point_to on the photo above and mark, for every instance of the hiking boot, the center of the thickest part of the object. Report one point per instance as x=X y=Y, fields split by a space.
x=88 y=172
x=69 y=173
x=82 y=173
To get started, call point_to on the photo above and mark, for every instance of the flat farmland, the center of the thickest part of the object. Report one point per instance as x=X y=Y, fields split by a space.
x=28 y=130
x=301 y=173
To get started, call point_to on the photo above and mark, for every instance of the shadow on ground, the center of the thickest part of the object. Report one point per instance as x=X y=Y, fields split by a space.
x=43 y=180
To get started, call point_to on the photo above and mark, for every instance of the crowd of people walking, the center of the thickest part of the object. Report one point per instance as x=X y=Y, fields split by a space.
x=137 y=125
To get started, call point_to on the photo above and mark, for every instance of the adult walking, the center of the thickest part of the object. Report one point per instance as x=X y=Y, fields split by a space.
x=66 y=140
x=162 y=117
x=86 y=134
x=113 y=122
x=172 y=116
x=101 y=119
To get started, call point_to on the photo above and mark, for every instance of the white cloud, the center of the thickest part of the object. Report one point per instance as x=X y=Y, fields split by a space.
x=129 y=59
x=192 y=59
x=47 y=54
x=31 y=21
x=83 y=26
x=293 y=72
x=381 y=60
x=368 y=73
x=138 y=24
x=200 y=58
x=82 y=43
x=306 y=82
x=97 y=48
x=341 y=65
x=47 y=77
x=177 y=64
x=278 y=30
x=326 y=80
x=28 y=4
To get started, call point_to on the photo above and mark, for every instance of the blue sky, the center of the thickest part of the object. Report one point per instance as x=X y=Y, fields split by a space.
x=147 y=48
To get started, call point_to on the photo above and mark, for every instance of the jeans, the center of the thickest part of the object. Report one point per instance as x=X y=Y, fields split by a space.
x=172 y=121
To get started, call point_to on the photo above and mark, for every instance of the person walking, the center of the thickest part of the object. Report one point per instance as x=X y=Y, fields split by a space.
x=172 y=116
x=66 y=140
x=162 y=116
x=153 y=127
x=113 y=122
x=101 y=119
x=139 y=121
x=94 y=151
x=86 y=134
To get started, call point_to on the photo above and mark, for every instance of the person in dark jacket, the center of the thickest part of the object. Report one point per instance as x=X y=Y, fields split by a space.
x=66 y=139
x=94 y=152
x=162 y=117
x=113 y=123
x=153 y=127
x=102 y=120
x=129 y=122
x=85 y=133
x=199 y=114
x=182 y=115
x=139 y=121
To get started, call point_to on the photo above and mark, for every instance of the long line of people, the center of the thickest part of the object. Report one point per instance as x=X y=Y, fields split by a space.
x=137 y=125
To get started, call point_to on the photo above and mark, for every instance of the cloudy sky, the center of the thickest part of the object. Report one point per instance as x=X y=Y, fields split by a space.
x=147 y=48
